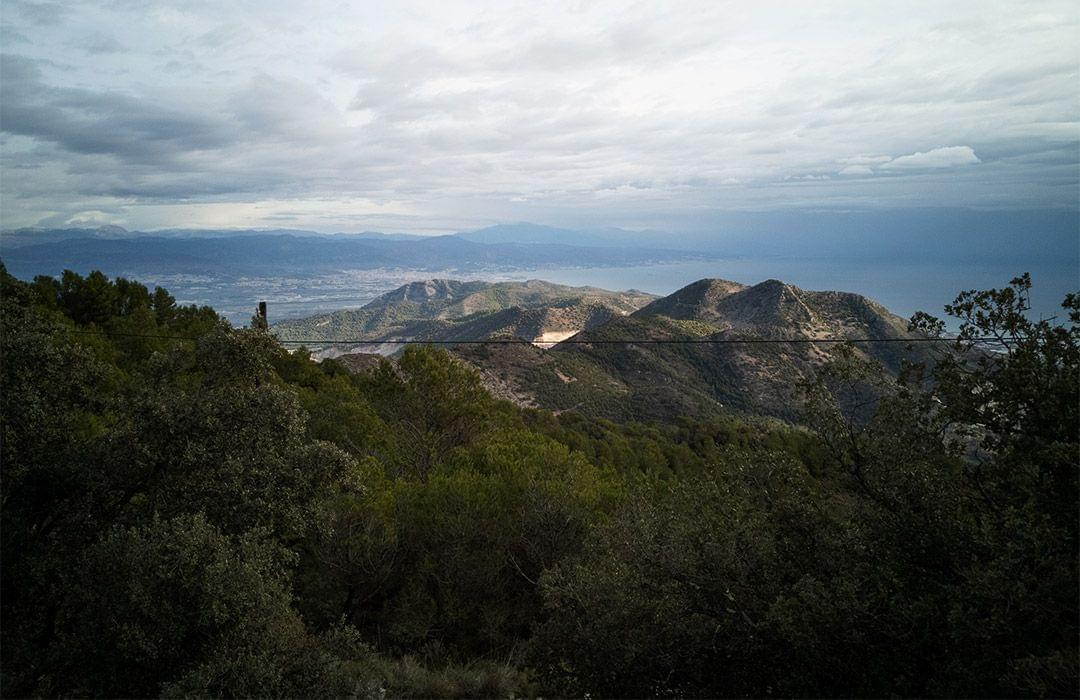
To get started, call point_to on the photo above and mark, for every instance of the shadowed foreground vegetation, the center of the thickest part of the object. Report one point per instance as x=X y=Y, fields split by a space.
x=221 y=517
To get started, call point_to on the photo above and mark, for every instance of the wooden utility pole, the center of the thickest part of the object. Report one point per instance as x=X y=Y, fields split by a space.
x=261 y=316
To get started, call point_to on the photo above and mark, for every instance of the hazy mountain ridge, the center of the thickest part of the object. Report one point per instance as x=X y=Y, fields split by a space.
x=530 y=233
x=21 y=237
x=991 y=235
x=518 y=233
x=274 y=253
x=980 y=236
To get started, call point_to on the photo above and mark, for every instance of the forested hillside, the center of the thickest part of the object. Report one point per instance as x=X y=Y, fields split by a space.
x=190 y=509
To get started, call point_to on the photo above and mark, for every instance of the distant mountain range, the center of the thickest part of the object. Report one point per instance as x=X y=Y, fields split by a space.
x=1031 y=239
x=621 y=355
x=519 y=233
x=237 y=253
x=602 y=238
x=19 y=238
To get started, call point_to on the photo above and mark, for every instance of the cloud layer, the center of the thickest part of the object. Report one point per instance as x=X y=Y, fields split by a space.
x=346 y=116
x=947 y=157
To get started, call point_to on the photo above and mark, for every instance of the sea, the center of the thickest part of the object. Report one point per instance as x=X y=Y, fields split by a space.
x=903 y=287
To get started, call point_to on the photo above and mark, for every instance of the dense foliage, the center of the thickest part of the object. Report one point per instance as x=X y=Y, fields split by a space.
x=188 y=509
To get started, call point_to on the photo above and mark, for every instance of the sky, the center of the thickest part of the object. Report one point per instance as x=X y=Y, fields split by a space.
x=443 y=116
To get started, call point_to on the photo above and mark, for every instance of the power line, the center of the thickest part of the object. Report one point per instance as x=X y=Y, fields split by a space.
x=627 y=341
x=569 y=341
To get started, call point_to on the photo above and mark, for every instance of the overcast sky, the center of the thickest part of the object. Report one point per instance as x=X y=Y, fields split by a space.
x=443 y=116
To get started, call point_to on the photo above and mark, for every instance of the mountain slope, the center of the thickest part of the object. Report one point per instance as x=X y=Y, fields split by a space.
x=692 y=301
x=451 y=310
x=627 y=355
x=641 y=366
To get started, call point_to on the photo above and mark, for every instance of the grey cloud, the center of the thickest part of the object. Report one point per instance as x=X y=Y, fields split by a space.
x=9 y=36
x=39 y=13
x=89 y=122
x=119 y=146
x=866 y=160
x=404 y=103
x=96 y=45
x=554 y=54
x=1019 y=85
x=1042 y=151
x=624 y=42
x=271 y=107
x=180 y=189
x=388 y=60
x=217 y=38
x=653 y=112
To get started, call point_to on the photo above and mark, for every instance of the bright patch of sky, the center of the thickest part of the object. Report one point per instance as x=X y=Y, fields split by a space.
x=423 y=117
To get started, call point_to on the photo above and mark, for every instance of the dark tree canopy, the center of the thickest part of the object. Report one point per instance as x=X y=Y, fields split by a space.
x=187 y=508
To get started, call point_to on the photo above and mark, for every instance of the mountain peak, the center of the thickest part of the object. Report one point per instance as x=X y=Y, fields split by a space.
x=770 y=306
x=693 y=300
x=429 y=294
x=524 y=232
x=773 y=284
x=424 y=290
x=769 y=303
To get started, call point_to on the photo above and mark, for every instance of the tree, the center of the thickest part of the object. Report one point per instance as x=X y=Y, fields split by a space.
x=934 y=554
x=1009 y=394
x=178 y=607
x=967 y=477
x=450 y=564
x=435 y=403
x=150 y=500
x=686 y=591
